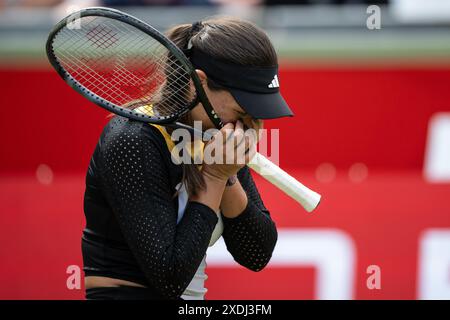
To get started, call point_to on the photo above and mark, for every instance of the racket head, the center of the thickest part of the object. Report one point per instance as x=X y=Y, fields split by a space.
x=124 y=65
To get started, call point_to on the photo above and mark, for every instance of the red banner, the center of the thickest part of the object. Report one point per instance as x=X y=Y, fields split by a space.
x=359 y=138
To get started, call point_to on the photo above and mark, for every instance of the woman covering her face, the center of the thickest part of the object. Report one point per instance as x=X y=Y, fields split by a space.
x=149 y=220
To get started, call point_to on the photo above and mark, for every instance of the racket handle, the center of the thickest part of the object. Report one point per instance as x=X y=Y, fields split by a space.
x=285 y=182
x=277 y=176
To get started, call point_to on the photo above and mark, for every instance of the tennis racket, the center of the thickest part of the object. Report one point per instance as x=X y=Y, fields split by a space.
x=124 y=65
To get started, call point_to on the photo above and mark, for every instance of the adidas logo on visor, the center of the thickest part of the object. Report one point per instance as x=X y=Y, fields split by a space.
x=274 y=83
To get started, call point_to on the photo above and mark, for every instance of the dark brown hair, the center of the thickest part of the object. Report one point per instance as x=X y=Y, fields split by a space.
x=233 y=40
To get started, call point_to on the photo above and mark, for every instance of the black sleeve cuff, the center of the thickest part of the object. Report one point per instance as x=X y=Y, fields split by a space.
x=206 y=212
x=249 y=209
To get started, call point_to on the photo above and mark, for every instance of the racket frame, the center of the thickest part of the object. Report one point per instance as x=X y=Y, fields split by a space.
x=306 y=197
x=152 y=32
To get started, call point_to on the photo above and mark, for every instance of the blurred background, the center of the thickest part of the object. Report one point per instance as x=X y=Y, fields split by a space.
x=369 y=82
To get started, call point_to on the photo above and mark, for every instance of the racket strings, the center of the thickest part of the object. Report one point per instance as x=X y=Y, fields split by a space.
x=119 y=74
x=124 y=66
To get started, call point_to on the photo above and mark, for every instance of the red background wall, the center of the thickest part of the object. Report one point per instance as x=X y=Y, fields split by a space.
x=342 y=116
x=378 y=117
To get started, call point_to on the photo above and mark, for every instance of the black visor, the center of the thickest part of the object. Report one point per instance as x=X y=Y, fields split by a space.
x=256 y=89
x=262 y=105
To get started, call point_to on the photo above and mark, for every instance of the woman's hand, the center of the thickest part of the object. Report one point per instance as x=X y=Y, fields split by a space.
x=223 y=156
x=228 y=151
x=255 y=124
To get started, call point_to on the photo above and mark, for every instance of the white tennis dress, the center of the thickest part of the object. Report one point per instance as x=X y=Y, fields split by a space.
x=196 y=289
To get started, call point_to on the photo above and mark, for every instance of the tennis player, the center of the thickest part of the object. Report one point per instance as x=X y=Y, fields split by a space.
x=149 y=221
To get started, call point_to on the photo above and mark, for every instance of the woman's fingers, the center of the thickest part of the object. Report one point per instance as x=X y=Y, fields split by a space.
x=242 y=150
x=227 y=132
x=254 y=124
x=250 y=154
x=247 y=151
x=236 y=145
x=239 y=133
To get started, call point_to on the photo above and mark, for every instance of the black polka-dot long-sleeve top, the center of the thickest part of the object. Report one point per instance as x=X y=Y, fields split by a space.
x=131 y=215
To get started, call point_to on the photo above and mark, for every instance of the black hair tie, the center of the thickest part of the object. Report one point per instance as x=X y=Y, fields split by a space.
x=196 y=27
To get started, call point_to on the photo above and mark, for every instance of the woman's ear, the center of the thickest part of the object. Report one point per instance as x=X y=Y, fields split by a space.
x=202 y=76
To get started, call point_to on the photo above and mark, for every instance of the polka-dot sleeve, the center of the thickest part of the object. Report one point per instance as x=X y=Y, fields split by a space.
x=136 y=184
x=251 y=236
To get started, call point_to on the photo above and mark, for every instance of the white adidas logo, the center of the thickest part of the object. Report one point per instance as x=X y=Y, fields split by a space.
x=274 y=83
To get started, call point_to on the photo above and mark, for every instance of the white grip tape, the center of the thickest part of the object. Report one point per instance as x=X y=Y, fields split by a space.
x=285 y=182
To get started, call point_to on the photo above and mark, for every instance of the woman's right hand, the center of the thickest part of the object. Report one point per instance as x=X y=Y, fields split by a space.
x=228 y=151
